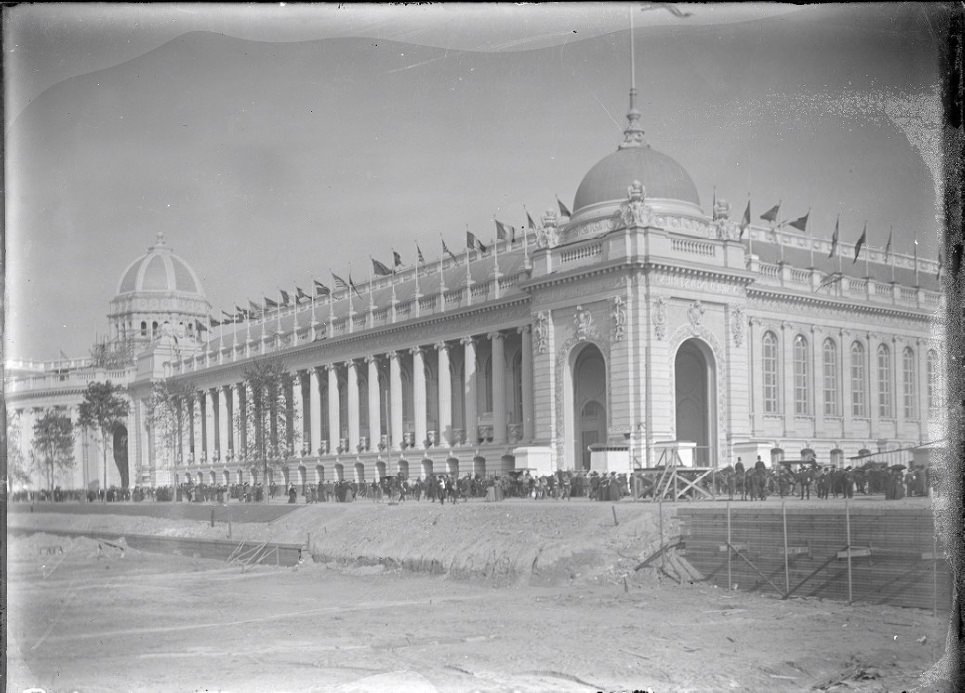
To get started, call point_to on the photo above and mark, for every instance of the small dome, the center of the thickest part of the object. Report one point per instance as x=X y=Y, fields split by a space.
x=609 y=179
x=159 y=270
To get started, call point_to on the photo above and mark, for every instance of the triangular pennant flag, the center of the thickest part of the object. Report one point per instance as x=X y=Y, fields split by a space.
x=801 y=224
x=563 y=210
x=380 y=269
x=860 y=243
x=771 y=214
x=746 y=219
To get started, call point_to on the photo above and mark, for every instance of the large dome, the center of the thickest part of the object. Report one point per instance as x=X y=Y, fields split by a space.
x=159 y=270
x=609 y=179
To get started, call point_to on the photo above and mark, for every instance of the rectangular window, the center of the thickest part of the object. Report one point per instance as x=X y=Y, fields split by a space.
x=884 y=383
x=910 y=385
x=830 y=379
x=801 y=385
x=857 y=381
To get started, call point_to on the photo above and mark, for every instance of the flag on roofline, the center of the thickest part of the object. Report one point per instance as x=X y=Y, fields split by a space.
x=300 y=294
x=340 y=284
x=834 y=237
x=352 y=285
x=270 y=304
x=771 y=214
x=446 y=250
x=200 y=326
x=828 y=280
x=470 y=240
x=255 y=308
x=746 y=219
x=321 y=289
x=801 y=223
x=214 y=322
x=860 y=243
x=396 y=258
x=504 y=231
x=482 y=249
x=563 y=210
x=891 y=232
x=529 y=220
x=228 y=318
x=285 y=298
x=422 y=258
x=380 y=269
x=241 y=313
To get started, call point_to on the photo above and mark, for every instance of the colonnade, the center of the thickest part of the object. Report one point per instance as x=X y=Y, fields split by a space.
x=325 y=412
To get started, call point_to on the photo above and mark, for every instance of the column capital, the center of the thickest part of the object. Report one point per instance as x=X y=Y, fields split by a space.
x=523 y=329
x=350 y=363
x=415 y=350
x=372 y=358
x=496 y=334
x=441 y=346
x=392 y=355
x=466 y=341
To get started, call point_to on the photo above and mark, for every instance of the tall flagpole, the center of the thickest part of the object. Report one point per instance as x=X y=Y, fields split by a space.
x=891 y=253
x=867 y=255
x=916 y=263
x=525 y=244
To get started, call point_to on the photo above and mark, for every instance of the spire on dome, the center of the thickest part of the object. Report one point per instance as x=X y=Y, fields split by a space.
x=633 y=134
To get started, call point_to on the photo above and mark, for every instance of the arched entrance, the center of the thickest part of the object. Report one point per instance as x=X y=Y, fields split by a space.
x=120 y=453
x=694 y=388
x=589 y=398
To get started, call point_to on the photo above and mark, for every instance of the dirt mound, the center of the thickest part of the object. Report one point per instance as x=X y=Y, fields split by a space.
x=541 y=543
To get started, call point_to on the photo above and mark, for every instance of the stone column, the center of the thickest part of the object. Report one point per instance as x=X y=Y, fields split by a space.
x=334 y=426
x=315 y=410
x=236 y=420
x=298 y=413
x=871 y=352
x=184 y=407
x=375 y=403
x=445 y=395
x=209 y=425
x=499 y=387
x=395 y=400
x=469 y=390
x=224 y=428
x=527 y=375
x=817 y=382
x=844 y=361
x=419 y=396
x=352 y=378
x=787 y=371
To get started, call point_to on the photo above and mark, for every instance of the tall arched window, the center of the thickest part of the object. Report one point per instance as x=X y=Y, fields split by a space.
x=830 y=378
x=143 y=328
x=909 y=376
x=801 y=377
x=858 y=380
x=931 y=365
x=769 y=356
x=885 y=409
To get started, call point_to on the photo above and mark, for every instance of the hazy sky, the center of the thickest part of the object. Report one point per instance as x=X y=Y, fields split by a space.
x=272 y=143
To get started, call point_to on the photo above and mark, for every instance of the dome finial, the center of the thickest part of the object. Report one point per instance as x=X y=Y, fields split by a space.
x=158 y=241
x=633 y=134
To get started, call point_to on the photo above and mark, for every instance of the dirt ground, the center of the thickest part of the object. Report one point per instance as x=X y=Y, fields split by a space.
x=530 y=597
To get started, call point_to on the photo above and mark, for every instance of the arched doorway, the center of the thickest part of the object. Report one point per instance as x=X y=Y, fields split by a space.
x=404 y=469
x=120 y=453
x=694 y=388
x=589 y=398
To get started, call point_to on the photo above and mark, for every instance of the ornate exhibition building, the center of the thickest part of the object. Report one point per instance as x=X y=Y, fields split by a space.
x=639 y=324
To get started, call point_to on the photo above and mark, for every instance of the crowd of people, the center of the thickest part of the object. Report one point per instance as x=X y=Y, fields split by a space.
x=756 y=482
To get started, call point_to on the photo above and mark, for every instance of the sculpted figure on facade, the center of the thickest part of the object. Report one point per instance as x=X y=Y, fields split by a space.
x=635 y=211
x=737 y=325
x=660 y=318
x=619 y=316
x=584 y=322
x=696 y=314
x=540 y=335
x=547 y=235
x=723 y=227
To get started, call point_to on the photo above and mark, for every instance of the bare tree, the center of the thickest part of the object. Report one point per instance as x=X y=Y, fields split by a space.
x=168 y=416
x=101 y=411
x=53 y=445
x=268 y=419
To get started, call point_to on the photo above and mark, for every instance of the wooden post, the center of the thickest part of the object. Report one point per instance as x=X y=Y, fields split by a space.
x=615 y=521
x=847 y=526
x=934 y=571
x=730 y=582
x=787 y=574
